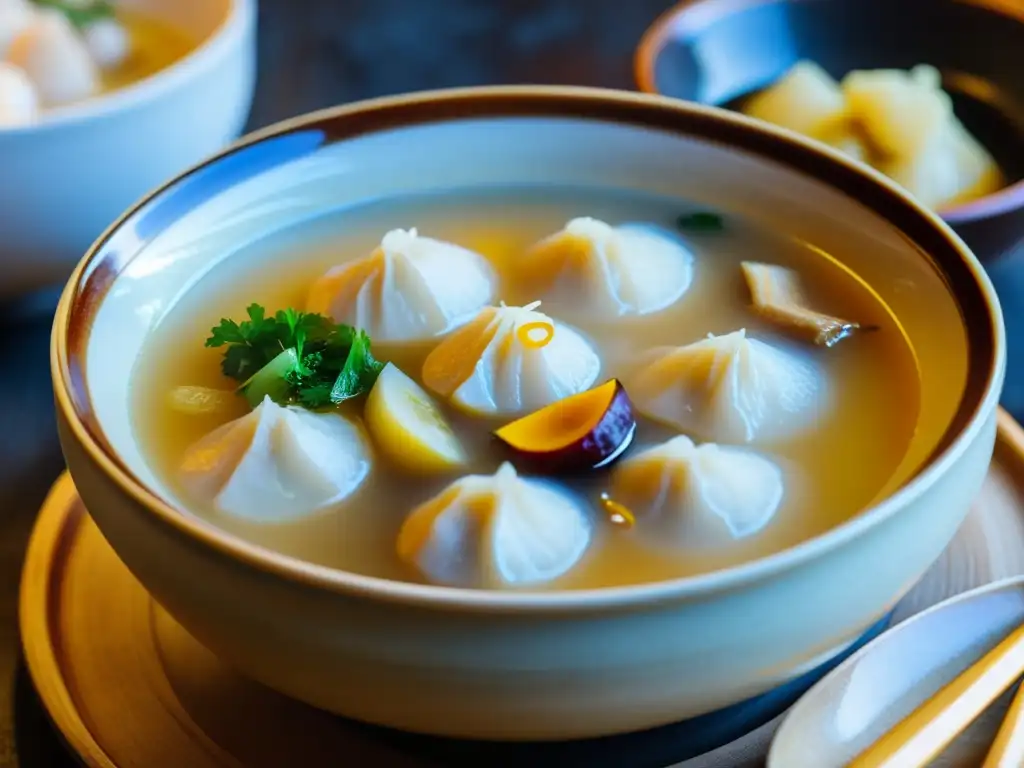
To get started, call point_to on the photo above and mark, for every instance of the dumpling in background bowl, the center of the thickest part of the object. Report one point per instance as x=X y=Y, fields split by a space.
x=410 y=288
x=899 y=121
x=73 y=51
x=19 y=101
x=15 y=17
x=806 y=100
x=55 y=58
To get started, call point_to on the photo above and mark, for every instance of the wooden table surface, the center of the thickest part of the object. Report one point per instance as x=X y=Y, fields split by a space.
x=315 y=53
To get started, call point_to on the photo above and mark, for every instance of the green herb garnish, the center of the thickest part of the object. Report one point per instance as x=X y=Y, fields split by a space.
x=81 y=13
x=700 y=221
x=295 y=357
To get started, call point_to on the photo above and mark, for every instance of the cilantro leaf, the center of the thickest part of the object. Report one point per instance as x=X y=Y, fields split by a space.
x=295 y=357
x=360 y=371
x=228 y=332
x=240 y=362
x=316 y=396
x=81 y=13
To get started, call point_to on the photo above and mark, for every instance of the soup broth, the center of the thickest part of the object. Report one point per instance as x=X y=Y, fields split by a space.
x=155 y=45
x=850 y=458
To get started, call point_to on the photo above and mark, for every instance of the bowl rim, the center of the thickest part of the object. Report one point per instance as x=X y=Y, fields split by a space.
x=92 y=277
x=660 y=31
x=238 y=21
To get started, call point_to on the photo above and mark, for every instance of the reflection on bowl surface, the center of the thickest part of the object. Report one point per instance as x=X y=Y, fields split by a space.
x=353 y=504
x=718 y=52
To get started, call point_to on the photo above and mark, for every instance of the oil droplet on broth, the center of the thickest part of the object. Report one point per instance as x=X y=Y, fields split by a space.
x=618 y=514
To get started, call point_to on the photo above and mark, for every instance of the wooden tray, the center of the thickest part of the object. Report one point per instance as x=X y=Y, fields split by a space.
x=129 y=688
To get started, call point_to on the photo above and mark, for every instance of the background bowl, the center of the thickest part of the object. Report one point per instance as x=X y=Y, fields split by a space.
x=65 y=179
x=515 y=665
x=716 y=51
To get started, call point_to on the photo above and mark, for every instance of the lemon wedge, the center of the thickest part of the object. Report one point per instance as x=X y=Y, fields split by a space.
x=408 y=426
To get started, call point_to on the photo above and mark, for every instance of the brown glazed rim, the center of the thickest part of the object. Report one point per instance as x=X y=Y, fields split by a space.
x=661 y=31
x=967 y=281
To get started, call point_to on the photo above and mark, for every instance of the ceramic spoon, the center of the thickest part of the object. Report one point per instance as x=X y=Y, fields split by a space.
x=1008 y=748
x=921 y=736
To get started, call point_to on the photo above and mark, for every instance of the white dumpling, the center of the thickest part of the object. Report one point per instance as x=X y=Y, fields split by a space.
x=19 y=104
x=490 y=367
x=495 y=531
x=952 y=169
x=277 y=463
x=410 y=288
x=849 y=143
x=694 y=495
x=901 y=112
x=806 y=100
x=15 y=17
x=730 y=388
x=55 y=58
x=608 y=271
x=108 y=42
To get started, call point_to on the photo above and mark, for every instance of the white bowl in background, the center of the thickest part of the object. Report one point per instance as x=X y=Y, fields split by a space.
x=64 y=179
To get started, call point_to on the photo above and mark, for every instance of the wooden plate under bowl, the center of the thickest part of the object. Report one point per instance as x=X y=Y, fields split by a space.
x=129 y=688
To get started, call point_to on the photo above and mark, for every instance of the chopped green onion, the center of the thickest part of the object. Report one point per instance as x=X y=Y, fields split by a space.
x=700 y=221
x=272 y=380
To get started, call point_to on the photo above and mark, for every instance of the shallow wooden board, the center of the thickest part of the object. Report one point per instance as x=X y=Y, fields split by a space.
x=128 y=688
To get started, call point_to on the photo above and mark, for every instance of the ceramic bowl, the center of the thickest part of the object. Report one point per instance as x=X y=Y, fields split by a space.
x=67 y=177
x=513 y=665
x=715 y=51
x=885 y=681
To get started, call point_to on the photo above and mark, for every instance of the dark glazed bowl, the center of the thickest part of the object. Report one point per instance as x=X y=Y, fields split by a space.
x=717 y=51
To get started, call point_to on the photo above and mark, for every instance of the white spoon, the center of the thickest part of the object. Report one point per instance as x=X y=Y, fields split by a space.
x=890 y=679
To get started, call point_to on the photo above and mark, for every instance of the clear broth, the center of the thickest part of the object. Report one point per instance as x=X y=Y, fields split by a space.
x=155 y=45
x=849 y=461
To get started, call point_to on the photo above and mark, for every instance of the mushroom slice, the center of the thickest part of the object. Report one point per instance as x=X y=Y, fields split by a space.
x=778 y=298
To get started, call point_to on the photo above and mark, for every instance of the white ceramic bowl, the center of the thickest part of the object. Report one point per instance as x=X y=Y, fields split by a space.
x=64 y=179
x=525 y=665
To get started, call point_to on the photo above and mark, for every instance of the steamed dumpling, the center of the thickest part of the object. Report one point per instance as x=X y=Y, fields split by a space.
x=730 y=388
x=55 y=58
x=495 y=531
x=490 y=366
x=108 y=42
x=954 y=168
x=15 y=17
x=410 y=288
x=609 y=271
x=806 y=100
x=902 y=113
x=698 y=495
x=19 y=104
x=277 y=463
